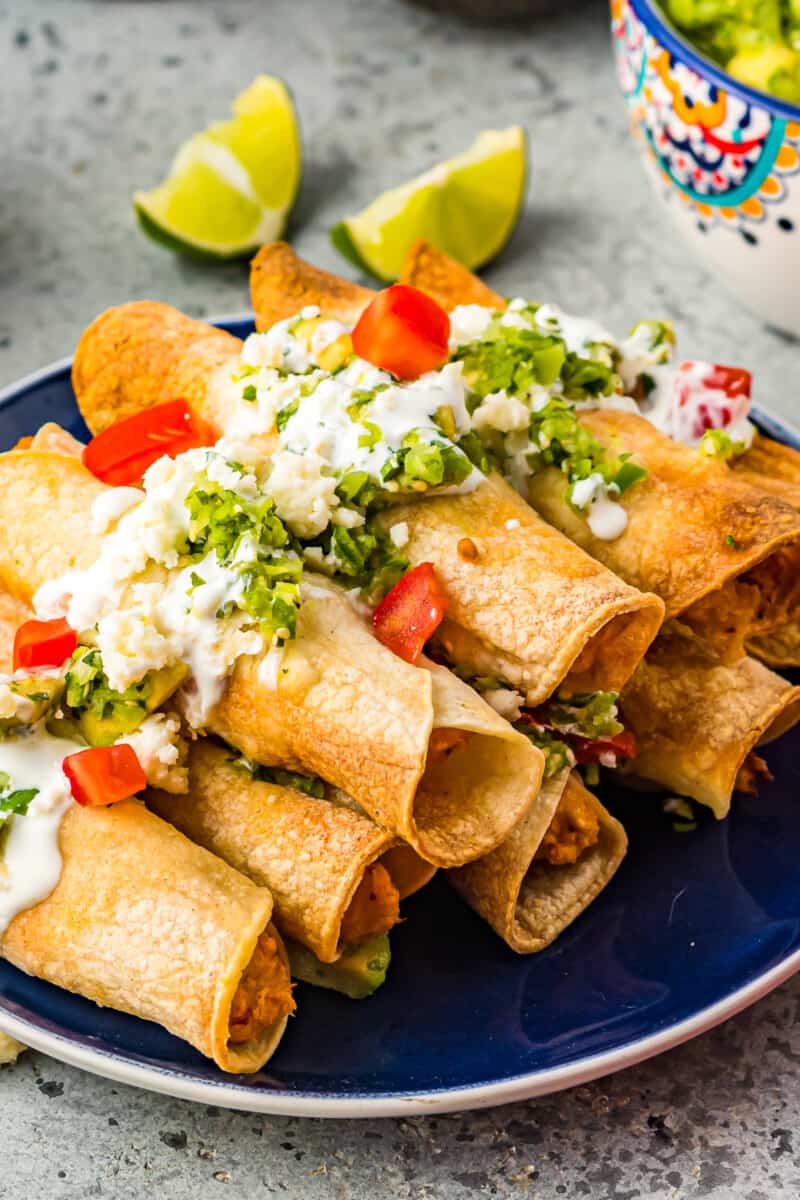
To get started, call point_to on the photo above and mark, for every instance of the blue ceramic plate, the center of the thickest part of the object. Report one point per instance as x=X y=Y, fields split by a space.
x=692 y=929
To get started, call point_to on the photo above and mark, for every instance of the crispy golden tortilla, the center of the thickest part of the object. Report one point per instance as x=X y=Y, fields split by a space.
x=528 y=897
x=526 y=606
x=345 y=707
x=775 y=468
x=146 y=922
x=310 y=852
x=721 y=552
x=530 y=607
x=697 y=721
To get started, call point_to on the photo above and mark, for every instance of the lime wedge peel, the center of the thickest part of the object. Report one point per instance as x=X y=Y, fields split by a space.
x=467 y=206
x=231 y=188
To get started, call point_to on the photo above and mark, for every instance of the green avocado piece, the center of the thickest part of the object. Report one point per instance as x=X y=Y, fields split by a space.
x=358 y=973
x=125 y=716
x=42 y=691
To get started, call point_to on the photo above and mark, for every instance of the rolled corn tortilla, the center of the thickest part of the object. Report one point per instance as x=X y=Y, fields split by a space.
x=775 y=468
x=722 y=553
x=145 y=922
x=328 y=867
x=549 y=870
x=344 y=707
x=698 y=722
x=530 y=607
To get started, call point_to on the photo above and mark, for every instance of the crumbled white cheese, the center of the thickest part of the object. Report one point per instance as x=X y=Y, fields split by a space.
x=399 y=534
x=512 y=523
x=161 y=752
x=304 y=496
x=502 y=412
x=468 y=323
x=505 y=701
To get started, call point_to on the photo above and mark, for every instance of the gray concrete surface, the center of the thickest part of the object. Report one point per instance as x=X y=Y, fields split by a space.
x=93 y=98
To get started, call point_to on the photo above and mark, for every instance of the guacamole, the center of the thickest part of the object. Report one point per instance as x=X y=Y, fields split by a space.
x=756 y=41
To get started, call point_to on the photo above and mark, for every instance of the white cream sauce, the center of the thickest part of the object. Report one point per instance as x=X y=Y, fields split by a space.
x=30 y=859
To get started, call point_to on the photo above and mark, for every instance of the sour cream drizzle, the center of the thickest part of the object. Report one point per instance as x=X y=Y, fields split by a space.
x=30 y=864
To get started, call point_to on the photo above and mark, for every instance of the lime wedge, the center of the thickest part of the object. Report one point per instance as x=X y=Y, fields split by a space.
x=231 y=188
x=467 y=206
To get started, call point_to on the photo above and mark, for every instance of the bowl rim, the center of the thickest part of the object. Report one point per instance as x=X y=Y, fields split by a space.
x=655 y=19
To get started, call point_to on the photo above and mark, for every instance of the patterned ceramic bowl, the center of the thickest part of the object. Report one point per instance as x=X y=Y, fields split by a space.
x=725 y=158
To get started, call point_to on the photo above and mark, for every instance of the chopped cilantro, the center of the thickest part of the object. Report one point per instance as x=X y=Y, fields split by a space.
x=14 y=802
x=288 y=411
x=312 y=785
x=592 y=715
x=249 y=393
x=557 y=754
x=88 y=688
x=371 y=436
x=437 y=464
x=730 y=540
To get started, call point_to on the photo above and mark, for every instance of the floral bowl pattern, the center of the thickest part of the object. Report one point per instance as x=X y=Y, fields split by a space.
x=725 y=158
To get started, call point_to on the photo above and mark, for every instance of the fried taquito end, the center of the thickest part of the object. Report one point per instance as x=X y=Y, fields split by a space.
x=328 y=867
x=145 y=922
x=143 y=353
x=698 y=722
x=549 y=870
x=281 y=284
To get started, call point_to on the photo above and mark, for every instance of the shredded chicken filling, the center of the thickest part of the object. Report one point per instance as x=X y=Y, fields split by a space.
x=763 y=600
x=751 y=772
x=444 y=742
x=374 y=909
x=264 y=994
x=573 y=829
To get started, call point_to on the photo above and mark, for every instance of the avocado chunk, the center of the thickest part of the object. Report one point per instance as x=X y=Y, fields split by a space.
x=122 y=716
x=43 y=694
x=358 y=973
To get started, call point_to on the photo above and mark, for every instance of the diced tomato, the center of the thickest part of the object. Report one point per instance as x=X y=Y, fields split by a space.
x=592 y=750
x=104 y=774
x=403 y=331
x=709 y=396
x=411 y=612
x=43 y=644
x=733 y=381
x=121 y=454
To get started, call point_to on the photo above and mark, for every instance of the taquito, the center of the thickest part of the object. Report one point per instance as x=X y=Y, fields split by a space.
x=329 y=868
x=144 y=921
x=721 y=552
x=698 y=722
x=776 y=469
x=530 y=607
x=344 y=707
x=548 y=870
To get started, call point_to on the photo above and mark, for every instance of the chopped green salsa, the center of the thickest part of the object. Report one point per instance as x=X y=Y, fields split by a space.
x=756 y=41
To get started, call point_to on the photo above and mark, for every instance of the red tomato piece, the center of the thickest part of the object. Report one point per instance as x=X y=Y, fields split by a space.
x=733 y=381
x=411 y=612
x=43 y=644
x=403 y=331
x=588 y=750
x=121 y=454
x=104 y=774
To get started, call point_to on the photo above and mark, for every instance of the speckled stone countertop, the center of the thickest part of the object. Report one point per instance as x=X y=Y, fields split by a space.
x=93 y=98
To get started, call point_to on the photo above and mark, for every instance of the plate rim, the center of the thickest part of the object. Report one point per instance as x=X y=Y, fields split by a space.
x=236 y=1094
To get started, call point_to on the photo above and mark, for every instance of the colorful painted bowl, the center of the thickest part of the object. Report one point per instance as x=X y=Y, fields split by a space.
x=724 y=157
